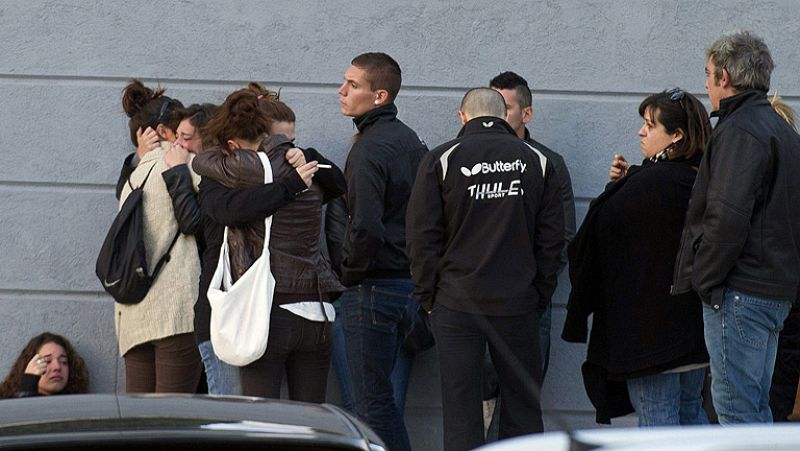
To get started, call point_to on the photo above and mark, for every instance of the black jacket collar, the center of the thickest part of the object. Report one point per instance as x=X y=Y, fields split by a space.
x=484 y=124
x=388 y=111
x=527 y=135
x=734 y=102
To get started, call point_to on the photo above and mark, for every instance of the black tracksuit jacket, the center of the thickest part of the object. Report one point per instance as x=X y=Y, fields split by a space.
x=485 y=223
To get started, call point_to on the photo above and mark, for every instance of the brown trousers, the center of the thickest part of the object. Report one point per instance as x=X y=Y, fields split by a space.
x=168 y=365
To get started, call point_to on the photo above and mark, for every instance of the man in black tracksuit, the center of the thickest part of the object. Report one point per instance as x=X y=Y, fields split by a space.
x=485 y=233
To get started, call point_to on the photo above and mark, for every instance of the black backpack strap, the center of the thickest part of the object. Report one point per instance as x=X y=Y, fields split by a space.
x=165 y=258
x=145 y=177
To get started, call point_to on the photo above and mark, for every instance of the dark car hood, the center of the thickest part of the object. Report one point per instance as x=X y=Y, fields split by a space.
x=166 y=419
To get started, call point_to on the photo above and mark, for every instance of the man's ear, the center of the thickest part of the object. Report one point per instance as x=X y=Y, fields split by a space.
x=527 y=115
x=381 y=97
x=232 y=144
x=463 y=117
x=725 y=80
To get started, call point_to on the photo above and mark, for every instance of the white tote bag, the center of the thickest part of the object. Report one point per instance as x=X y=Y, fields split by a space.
x=240 y=312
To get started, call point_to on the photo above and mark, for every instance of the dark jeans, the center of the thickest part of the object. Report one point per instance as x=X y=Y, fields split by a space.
x=461 y=340
x=299 y=347
x=400 y=374
x=168 y=365
x=376 y=316
x=783 y=392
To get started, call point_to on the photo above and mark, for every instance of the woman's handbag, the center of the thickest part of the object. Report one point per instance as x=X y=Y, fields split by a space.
x=240 y=312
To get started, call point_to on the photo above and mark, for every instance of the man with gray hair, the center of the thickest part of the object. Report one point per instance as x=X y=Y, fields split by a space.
x=740 y=248
x=484 y=231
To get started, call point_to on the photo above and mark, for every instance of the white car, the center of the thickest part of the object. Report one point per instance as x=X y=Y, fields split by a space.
x=778 y=437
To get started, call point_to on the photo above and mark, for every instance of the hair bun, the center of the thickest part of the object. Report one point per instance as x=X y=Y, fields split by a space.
x=136 y=95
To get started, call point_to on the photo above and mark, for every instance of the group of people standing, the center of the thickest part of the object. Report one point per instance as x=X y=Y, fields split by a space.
x=358 y=306
x=686 y=262
x=691 y=261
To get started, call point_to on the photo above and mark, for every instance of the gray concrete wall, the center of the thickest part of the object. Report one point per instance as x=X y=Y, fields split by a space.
x=63 y=65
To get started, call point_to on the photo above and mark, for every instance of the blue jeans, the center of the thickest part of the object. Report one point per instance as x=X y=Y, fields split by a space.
x=400 y=374
x=669 y=398
x=223 y=379
x=376 y=317
x=742 y=340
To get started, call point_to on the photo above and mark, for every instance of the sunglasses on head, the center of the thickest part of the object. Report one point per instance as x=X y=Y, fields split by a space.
x=676 y=94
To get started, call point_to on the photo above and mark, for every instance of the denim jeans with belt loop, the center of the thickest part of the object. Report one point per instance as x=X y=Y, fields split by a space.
x=741 y=335
x=376 y=316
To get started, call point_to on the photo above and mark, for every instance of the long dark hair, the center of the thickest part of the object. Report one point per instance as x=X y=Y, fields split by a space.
x=676 y=109
x=147 y=108
x=77 y=380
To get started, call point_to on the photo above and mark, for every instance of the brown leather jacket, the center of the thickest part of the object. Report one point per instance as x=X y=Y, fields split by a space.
x=295 y=255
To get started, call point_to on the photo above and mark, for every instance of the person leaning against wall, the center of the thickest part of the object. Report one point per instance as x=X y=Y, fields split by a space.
x=47 y=365
x=156 y=336
x=646 y=348
x=740 y=248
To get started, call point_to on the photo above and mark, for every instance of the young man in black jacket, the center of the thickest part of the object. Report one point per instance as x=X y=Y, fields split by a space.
x=379 y=308
x=740 y=248
x=519 y=112
x=485 y=235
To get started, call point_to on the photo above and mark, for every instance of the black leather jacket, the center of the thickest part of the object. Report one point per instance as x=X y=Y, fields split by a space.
x=743 y=223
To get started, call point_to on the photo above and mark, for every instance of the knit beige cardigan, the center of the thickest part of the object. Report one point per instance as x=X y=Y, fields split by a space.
x=168 y=308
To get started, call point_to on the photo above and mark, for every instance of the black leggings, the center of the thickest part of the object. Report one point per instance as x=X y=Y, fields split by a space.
x=298 y=347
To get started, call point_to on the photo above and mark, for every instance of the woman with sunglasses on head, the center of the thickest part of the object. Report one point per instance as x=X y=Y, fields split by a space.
x=155 y=336
x=47 y=365
x=646 y=351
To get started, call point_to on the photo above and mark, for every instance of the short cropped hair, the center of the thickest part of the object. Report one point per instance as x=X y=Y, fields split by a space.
x=510 y=80
x=479 y=102
x=746 y=57
x=382 y=72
